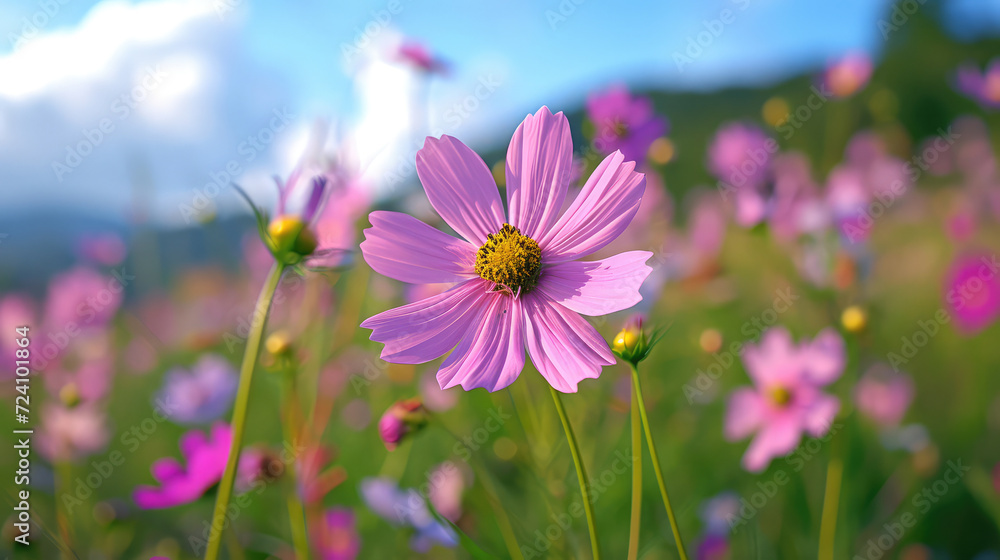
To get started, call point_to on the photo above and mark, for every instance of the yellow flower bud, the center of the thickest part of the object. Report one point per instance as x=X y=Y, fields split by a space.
x=854 y=319
x=290 y=234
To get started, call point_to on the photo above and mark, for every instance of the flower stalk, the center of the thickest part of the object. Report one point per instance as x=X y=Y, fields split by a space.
x=240 y=409
x=581 y=473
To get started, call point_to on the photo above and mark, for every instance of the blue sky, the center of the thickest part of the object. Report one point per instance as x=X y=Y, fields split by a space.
x=232 y=63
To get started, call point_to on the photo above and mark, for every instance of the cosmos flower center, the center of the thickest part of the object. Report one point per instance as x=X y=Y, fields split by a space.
x=510 y=259
x=619 y=128
x=780 y=396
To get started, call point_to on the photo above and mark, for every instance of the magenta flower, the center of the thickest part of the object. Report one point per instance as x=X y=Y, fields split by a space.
x=421 y=58
x=447 y=484
x=884 y=395
x=335 y=535
x=401 y=419
x=983 y=88
x=972 y=292
x=624 y=123
x=181 y=484
x=847 y=75
x=787 y=396
x=83 y=297
x=518 y=283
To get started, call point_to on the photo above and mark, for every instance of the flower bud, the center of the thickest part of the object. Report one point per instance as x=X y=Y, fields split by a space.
x=290 y=235
x=854 y=319
x=401 y=419
x=278 y=344
x=631 y=343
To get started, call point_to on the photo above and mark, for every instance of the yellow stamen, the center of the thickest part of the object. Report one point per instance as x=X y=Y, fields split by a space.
x=510 y=259
x=780 y=396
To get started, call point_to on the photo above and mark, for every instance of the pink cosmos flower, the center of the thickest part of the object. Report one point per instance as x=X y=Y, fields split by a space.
x=401 y=419
x=740 y=155
x=847 y=75
x=981 y=87
x=787 y=396
x=518 y=282
x=84 y=297
x=884 y=395
x=418 y=55
x=447 y=484
x=335 y=535
x=69 y=433
x=179 y=484
x=972 y=292
x=624 y=122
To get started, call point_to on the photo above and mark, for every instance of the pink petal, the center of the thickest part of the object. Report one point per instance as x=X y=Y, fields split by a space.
x=166 y=469
x=823 y=359
x=818 y=418
x=599 y=214
x=775 y=361
x=402 y=247
x=192 y=443
x=538 y=171
x=492 y=356
x=744 y=413
x=597 y=287
x=429 y=328
x=564 y=347
x=777 y=438
x=460 y=188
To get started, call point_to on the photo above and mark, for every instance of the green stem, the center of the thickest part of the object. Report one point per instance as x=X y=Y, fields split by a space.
x=240 y=409
x=831 y=501
x=656 y=464
x=581 y=473
x=633 y=532
x=296 y=515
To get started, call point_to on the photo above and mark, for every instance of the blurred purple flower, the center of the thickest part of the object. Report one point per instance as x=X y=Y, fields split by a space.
x=335 y=535
x=981 y=87
x=717 y=512
x=70 y=433
x=205 y=459
x=740 y=155
x=884 y=395
x=848 y=75
x=201 y=394
x=406 y=508
x=972 y=292
x=786 y=398
x=16 y=310
x=713 y=547
x=623 y=122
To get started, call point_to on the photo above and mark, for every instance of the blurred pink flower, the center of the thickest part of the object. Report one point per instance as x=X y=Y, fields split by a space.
x=519 y=283
x=740 y=155
x=713 y=547
x=180 y=484
x=846 y=76
x=68 y=434
x=884 y=395
x=981 y=87
x=435 y=398
x=972 y=291
x=447 y=484
x=335 y=535
x=107 y=249
x=16 y=310
x=623 y=122
x=84 y=297
x=787 y=396
x=399 y=420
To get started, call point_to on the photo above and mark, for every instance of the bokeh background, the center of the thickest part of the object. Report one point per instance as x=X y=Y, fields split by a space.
x=125 y=127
